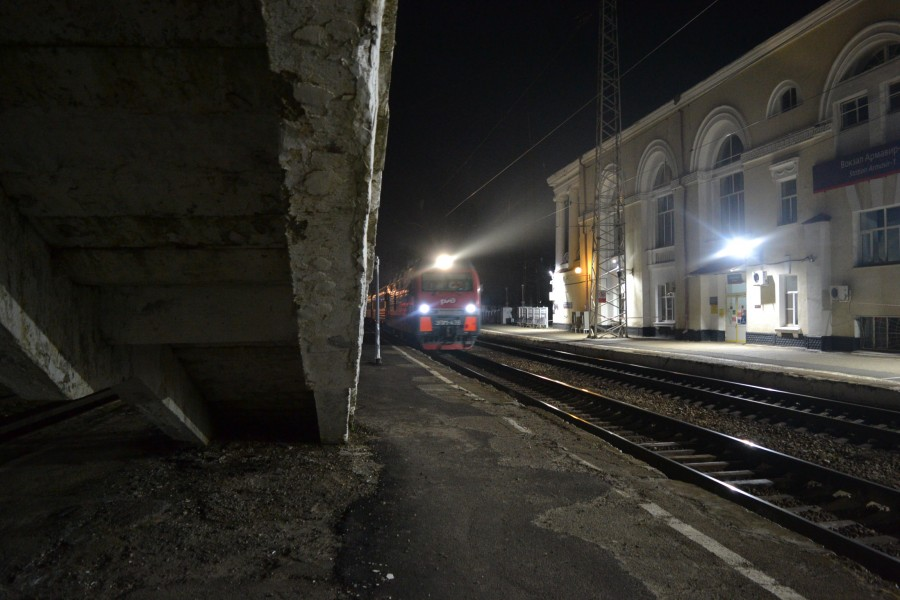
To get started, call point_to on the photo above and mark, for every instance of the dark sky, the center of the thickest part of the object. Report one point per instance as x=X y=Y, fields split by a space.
x=477 y=83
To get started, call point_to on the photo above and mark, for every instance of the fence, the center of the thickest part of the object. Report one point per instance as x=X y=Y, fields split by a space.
x=533 y=316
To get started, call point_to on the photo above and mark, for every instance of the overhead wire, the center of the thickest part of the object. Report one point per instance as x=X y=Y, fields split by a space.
x=591 y=101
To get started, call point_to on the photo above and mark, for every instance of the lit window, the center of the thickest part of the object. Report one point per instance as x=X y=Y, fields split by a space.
x=791 y=304
x=666 y=302
x=665 y=221
x=879 y=236
x=788 y=202
x=854 y=112
x=789 y=99
x=731 y=197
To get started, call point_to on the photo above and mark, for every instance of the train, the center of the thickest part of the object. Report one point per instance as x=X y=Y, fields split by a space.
x=437 y=307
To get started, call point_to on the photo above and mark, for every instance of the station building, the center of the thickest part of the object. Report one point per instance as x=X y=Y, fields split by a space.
x=791 y=153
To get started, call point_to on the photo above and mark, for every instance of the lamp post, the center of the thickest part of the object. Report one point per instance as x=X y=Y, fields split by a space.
x=377 y=312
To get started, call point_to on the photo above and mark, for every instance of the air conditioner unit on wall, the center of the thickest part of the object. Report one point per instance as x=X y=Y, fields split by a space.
x=759 y=277
x=839 y=293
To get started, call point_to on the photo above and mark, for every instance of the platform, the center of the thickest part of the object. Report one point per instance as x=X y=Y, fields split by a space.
x=865 y=377
x=481 y=497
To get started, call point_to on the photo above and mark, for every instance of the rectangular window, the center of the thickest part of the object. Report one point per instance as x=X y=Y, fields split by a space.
x=665 y=221
x=791 y=304
x=788 y=202
x=731 y=196
x=854 y=112
x=880 y=333
x=879 y=236
x=894 y=97
x=666 y=302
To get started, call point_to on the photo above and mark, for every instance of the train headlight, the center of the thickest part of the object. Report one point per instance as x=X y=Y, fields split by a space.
x=424 y=308
x=471 y=308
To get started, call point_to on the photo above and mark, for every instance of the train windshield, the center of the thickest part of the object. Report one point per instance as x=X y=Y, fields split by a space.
x=446 y=282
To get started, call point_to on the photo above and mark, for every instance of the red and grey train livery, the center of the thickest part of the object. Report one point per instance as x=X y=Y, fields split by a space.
x=436 y=308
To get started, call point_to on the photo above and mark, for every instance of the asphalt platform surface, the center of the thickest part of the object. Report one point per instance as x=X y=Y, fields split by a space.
x=481 y=497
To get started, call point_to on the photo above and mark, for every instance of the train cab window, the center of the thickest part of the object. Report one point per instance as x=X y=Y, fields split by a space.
x=446 y=282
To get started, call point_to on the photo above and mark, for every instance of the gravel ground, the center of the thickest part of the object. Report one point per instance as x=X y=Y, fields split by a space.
x=880 y=466
x=120 y=511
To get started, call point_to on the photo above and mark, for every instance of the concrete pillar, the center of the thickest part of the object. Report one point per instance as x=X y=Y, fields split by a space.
x=332 y=60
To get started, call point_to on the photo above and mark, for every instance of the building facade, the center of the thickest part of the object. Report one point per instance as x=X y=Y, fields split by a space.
x=760 y=206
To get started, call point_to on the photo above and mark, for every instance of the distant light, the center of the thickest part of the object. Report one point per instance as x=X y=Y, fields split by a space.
x=578 y=270
x=739 y=248
x=444 y=261
x=471 y=308
x=424 y=308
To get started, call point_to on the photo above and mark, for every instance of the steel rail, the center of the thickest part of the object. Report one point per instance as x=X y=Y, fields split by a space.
x=864 y=424
x=856 y=518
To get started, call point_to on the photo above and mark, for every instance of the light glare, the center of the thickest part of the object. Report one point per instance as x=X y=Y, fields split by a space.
x=444 y=261
x=471 y=308
x=424 y=308
x=739 y=248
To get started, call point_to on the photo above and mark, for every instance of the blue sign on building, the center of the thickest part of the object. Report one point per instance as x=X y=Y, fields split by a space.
x=862 y=166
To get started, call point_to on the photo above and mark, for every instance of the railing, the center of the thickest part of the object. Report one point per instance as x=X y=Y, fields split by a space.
x=533 y=316
x=661 y=255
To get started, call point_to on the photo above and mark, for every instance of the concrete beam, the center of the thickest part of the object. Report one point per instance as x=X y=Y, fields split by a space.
x=160 y=389
x=260 y=231
x=52 y=348
x=47 y=328
x=199 y=315
x=174 y=266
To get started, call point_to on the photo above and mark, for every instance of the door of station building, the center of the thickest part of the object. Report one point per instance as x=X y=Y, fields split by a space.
x=736 y=318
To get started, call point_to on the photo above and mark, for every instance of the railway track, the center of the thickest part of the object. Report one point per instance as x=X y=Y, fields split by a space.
x=863 y=425
x=856 y=518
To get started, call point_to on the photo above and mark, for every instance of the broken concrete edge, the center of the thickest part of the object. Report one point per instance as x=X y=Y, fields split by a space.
x=335 y=71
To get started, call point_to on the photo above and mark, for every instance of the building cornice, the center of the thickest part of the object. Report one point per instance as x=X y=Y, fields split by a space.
x=813 y=20
x=788 y=141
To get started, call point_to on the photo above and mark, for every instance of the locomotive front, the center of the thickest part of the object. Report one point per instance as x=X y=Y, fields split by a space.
x=448 y=307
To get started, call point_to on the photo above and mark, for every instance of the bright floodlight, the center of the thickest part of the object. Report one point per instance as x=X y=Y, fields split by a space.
x=471 y=308
x=424 y=308
x=444 y=261
x=739 y=248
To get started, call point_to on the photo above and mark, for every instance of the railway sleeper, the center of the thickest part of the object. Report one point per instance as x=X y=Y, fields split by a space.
x=695 y=458
x=728 y=475
x=752 y=483
x=707 y=467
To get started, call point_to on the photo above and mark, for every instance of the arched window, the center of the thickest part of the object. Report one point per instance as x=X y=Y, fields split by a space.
x=789 y=99
x=873 y=59
x=731 y=187
x=663 y=176
x=785 y=97
x=729 y=152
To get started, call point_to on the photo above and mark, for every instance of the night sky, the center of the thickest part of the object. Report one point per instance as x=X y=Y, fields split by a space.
x=478 y=86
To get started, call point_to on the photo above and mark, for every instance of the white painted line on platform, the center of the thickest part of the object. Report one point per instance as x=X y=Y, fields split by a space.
x=517 y=426
x=584 y=462
x=736 y=561
x=424 y=366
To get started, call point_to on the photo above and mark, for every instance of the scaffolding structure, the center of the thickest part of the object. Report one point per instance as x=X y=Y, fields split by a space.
x=608 y=281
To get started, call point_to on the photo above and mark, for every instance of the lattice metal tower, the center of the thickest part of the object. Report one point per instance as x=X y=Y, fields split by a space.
x=608 y=299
